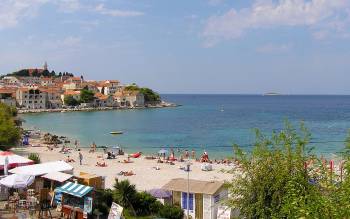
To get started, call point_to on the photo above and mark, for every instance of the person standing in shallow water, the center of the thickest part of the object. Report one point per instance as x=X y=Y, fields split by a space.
x=80 y=157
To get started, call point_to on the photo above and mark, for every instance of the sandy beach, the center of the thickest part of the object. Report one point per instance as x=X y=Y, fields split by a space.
x=146 y=175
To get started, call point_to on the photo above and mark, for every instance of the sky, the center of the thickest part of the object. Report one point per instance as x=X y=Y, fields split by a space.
x=185 y=46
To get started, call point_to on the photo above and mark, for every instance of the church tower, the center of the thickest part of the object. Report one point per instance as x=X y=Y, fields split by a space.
x=45 y=65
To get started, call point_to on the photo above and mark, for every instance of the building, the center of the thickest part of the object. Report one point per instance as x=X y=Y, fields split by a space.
x=31 y=98
x=130 y=98
x=8 y=96
x=134 y=99
x=204 y=196
x=29 y=81
x=47 y=81
x=54 y=100
x=11 y=81
x=73 y=83
x=102 y=100
x=108 y=87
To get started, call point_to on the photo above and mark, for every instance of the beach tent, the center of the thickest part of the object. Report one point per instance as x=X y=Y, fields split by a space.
x=17 y=181
x=43 y=168
x=14 y=160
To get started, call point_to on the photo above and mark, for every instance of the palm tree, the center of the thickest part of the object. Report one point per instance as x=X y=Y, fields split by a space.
x=124 y=193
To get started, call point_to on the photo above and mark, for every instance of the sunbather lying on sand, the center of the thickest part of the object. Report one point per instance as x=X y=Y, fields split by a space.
x=126 y=173
x=101 y=164
x=69 y=160
x=128 y=161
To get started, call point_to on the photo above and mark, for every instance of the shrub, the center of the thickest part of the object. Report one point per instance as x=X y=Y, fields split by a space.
x=145 y=204
x=9 y=132
x=34 y=157
x=103 y=200
x=171 y=212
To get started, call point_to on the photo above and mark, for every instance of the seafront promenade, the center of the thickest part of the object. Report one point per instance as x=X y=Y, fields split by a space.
x=87 y=109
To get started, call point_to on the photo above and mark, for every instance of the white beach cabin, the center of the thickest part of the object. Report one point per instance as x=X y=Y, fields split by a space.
x=204 y=196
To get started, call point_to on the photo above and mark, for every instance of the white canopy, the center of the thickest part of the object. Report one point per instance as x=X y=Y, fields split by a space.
x=17 y=181
x=43 y=168
x=58 y=176
x=14 y=160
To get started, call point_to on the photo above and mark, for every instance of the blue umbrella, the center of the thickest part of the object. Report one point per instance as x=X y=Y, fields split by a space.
x=160 y=193
x=162 y=151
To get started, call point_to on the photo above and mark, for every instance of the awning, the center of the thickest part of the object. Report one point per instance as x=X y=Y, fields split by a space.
x=74 y=189
x=57 y=176
x=43 y=168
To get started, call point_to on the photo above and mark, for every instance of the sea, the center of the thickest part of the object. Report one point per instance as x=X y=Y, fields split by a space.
x=211 y=123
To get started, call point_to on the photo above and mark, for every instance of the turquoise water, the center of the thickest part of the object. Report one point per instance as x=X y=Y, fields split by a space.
x=210 y=122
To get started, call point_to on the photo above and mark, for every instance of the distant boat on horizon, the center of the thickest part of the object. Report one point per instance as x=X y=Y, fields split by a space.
x=272 y=94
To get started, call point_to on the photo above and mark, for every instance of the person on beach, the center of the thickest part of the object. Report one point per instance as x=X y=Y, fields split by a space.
x=80 y=157
x=76 y=144
x=193 y=154
x=187 y=154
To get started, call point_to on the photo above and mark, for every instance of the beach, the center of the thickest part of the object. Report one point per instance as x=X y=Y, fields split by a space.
x=146 y=174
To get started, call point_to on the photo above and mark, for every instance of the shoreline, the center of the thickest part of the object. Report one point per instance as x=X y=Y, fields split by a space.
x=149 y=173
x=91 y=109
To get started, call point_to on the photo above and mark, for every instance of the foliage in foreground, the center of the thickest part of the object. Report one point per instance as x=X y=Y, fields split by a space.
x=278 y=181
x=9 y=132
x=136 y=204
x=34 y=157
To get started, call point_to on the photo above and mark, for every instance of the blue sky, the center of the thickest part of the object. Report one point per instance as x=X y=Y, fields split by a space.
x=185 y=46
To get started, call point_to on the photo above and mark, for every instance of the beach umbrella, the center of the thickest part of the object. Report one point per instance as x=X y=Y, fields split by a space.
x=160 y=193
x=14 y=160
x=17 y=181
x=162 y=151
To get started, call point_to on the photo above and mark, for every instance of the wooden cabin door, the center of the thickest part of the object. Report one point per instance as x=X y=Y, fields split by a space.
x=199 y=206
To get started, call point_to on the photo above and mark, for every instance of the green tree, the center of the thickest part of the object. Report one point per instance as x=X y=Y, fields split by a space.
x=124 y=193
x=9 y=132
x=86 y=96
x=150 y=95
x=69 y=100
x=274 y=181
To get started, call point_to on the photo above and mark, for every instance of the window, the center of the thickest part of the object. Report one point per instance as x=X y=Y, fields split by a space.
x=184 y=201
x=35 y=101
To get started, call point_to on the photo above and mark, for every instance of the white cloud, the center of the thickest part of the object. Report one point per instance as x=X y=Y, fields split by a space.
x=68 y=5
x=215 y=2
x=271 y=14
x=12 y=11
x=115 y=12
x=274 y=48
